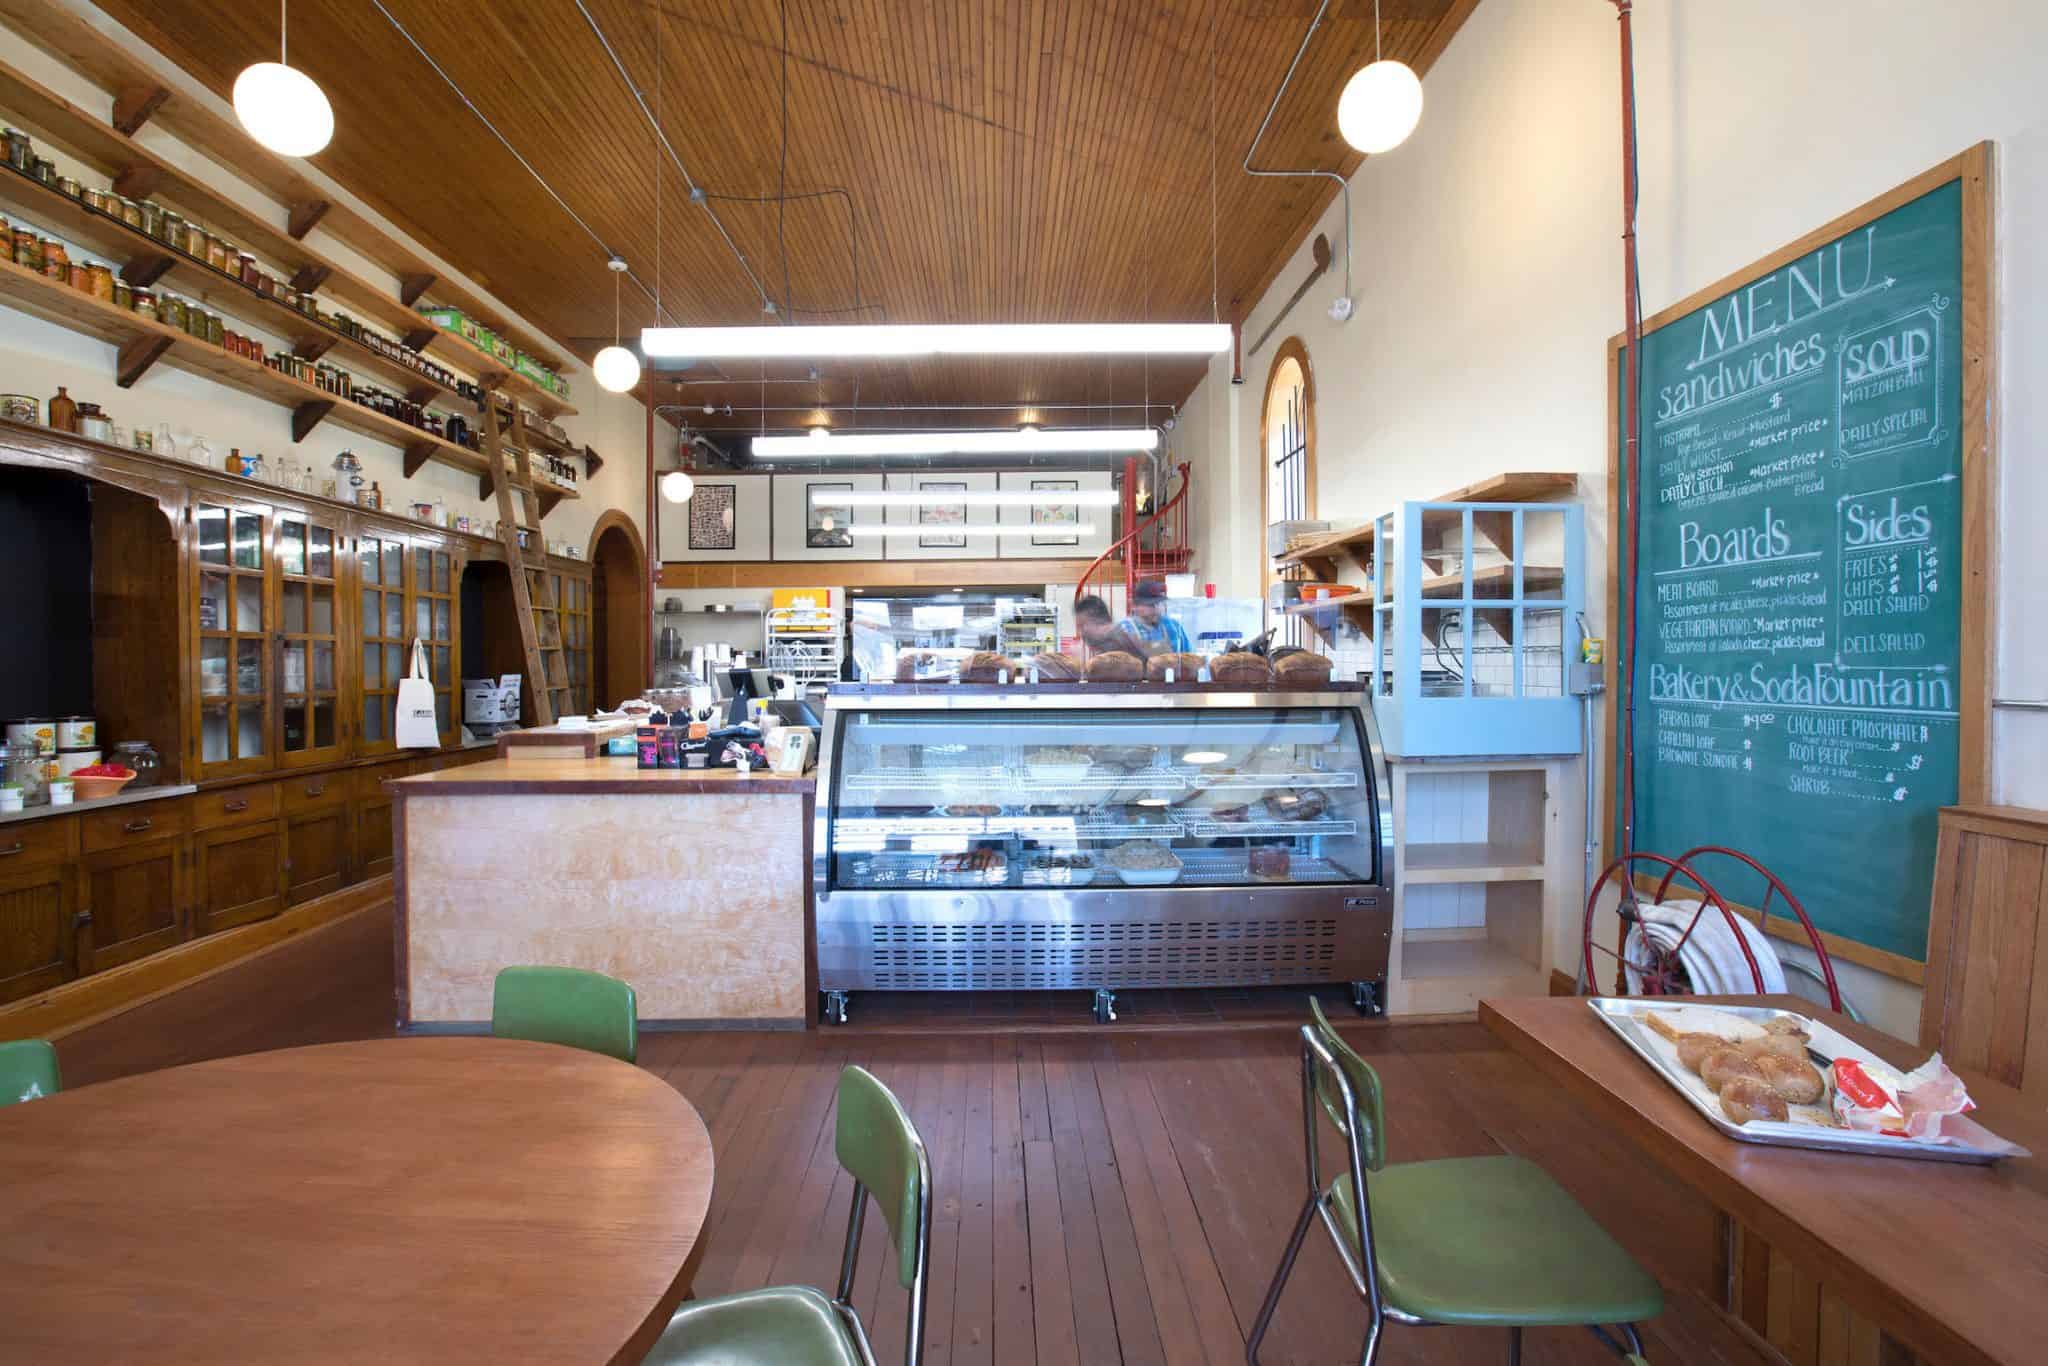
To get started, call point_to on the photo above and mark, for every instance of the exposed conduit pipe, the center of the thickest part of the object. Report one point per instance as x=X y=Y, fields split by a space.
x=506 y=143
x=1631 y=455
x=1343 y=185
x=697 y=194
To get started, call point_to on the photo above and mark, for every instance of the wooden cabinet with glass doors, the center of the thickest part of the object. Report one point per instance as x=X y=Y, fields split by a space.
x=270 y=622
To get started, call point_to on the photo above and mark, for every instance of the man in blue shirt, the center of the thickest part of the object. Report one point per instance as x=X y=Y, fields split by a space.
x=1149 y=623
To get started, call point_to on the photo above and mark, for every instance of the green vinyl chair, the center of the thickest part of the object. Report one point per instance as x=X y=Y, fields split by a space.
x=569 y=1006
x=1465 y=1242
x=28 y=1071
x=794 y=1325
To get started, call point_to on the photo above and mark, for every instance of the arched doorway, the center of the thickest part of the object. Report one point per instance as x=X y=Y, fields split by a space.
x=1287 y=457
x=620 y=613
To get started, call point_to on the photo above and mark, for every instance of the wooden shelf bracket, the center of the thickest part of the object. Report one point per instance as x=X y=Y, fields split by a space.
x=137 y=355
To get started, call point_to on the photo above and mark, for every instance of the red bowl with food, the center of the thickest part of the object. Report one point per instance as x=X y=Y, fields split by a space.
x=100 y=780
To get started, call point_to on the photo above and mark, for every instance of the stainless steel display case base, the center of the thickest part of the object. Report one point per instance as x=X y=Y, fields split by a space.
x=1011 y=939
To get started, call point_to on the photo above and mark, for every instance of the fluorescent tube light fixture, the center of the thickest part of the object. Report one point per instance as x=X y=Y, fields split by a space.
x=937 y=339
x=927 y=498
x=999 y=442
x=875 y=531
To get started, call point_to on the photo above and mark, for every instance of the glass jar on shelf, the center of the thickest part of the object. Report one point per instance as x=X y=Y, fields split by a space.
x=141 y=756
x=26 y=767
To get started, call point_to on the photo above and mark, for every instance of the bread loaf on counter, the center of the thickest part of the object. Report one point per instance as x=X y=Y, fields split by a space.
x=984 y=666
x=1241 y=668
x=1301 y=670
x=1116 y=667
x=1054 y=667
x=1186 y=667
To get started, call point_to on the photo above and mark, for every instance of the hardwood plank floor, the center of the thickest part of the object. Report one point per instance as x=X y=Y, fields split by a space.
x=1112 y=1195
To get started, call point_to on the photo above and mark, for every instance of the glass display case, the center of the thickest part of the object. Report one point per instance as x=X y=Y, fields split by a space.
x=1099 y=837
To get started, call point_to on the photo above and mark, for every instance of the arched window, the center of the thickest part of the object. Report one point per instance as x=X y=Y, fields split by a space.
x=1287 y=455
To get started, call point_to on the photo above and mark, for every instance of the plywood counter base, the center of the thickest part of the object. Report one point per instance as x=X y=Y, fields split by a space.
x=692 y=886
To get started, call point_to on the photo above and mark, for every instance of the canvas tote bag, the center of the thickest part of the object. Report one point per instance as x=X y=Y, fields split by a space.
x=416 y=725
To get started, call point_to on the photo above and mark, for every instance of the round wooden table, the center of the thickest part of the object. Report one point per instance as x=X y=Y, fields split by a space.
x=425 y=1199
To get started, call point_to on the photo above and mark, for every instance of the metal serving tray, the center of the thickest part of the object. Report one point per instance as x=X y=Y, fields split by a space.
x=1624 y=1015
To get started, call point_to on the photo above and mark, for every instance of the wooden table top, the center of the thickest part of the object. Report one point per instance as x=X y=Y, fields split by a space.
x=1951 y=1260
x=402 y=1200
x=579 y=777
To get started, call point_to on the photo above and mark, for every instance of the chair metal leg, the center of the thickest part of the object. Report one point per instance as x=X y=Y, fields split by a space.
x=1514 y=1347
x=1632 y=1347
x=1272 y=1302
x=1372 y=1343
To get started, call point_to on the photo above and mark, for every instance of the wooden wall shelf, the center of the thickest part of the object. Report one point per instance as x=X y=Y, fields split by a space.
x=1322 y=555
x=144 y=342
x=45 y=113
x=136 y=254
x=62 y=31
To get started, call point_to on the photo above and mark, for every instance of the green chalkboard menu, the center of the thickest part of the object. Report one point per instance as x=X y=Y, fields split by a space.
x=1801 y=582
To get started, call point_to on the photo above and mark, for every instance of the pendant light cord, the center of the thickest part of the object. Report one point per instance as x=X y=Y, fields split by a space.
x=1215 y=314
x=282 y=27
x=1378 y=51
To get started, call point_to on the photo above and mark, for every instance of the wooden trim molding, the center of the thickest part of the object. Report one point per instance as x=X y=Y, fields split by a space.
x=88 y=1000
x=1296 y=350
x=874 y=573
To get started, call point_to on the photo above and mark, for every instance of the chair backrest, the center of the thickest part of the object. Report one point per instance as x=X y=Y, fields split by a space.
x=567 y=1006
x=28 y=1071
x=878 y=1144
x=1365 y=1090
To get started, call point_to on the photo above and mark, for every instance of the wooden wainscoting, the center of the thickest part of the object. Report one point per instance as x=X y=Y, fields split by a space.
x=1986 y=1004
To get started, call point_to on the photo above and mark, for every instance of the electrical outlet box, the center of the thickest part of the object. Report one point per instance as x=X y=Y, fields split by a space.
x=1584 y=679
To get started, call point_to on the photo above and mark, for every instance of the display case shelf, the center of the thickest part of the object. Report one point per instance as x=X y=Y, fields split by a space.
x=1202 y=781
x=1260 y=830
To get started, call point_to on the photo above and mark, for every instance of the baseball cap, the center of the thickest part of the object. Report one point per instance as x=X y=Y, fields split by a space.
x=1150 y=590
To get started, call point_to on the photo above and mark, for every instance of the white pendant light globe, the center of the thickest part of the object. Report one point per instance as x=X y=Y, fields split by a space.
x=283 y=109
x=1380 y=106
x=616 y=369
x=677 y=486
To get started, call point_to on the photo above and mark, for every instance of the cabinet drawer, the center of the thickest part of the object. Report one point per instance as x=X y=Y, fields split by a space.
x=234 y=806
x=120 y=826
x=27 y=843
x=320 y=790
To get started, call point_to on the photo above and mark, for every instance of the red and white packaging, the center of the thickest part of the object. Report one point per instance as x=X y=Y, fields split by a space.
x=1875 y=1099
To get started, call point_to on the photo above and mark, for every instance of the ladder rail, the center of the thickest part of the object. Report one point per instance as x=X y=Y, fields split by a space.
x=533 y=594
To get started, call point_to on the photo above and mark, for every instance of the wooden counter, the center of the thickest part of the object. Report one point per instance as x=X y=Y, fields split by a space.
x=692 y=885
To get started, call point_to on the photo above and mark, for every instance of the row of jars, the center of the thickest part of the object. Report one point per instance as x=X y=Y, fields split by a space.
x=186 y=236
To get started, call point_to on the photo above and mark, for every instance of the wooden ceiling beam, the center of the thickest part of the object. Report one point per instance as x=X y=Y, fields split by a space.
x=305 y=215
x=134 y=105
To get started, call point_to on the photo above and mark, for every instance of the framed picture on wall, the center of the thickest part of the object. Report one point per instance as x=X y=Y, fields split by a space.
x=942 y=515
x=1053 y=516
x=712 y=508
x=827 y=524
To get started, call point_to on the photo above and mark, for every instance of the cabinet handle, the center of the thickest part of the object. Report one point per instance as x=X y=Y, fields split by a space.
x=14 y=848
x=137 y=827
x=239 y=804
x=313 y=791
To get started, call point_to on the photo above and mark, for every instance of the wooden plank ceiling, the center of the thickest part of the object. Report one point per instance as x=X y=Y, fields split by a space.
x=996 y=160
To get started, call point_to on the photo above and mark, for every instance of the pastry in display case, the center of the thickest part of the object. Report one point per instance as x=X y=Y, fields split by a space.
x=1098 y=838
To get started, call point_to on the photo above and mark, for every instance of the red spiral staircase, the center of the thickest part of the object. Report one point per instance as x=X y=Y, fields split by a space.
x=1151 y=547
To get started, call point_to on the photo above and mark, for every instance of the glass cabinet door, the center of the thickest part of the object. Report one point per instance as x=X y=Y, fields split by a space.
x=433 y=623
x=308 y=562
x=575 y=602
x=1230 y=797
x=235 y=629
x=381 y=569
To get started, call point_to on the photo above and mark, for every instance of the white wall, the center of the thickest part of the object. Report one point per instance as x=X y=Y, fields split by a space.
x=1490 y=276
x=36 y=357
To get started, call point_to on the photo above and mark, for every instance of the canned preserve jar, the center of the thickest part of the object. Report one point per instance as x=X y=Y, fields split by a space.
x=77 y=732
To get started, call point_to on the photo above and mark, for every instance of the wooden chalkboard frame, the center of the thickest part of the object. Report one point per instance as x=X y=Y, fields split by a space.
x=1979 y=459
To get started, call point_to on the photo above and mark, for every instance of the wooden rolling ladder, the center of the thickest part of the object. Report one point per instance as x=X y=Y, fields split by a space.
x=540 y=621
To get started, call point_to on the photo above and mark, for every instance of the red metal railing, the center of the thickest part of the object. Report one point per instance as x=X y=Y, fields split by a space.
x=1128 y=543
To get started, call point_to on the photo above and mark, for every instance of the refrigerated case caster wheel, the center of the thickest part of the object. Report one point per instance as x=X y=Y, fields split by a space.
x=1369 y=999
x=835 y=1007
x=1105 y=1005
